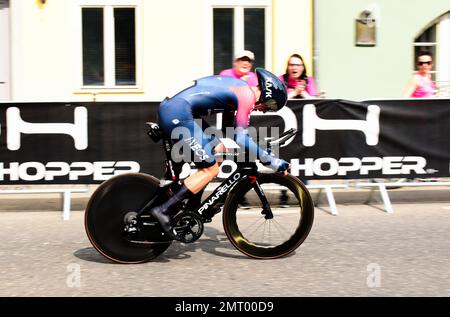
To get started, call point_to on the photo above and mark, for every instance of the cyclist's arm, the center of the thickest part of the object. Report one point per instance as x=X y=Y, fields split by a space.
x=243 y=139
x=246 y=102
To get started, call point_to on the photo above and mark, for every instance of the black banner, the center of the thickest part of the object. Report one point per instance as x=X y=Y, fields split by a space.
x=372 y=139
x=91 y=142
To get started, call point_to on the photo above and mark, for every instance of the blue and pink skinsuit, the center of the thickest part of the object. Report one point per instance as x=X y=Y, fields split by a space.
x=214 y=94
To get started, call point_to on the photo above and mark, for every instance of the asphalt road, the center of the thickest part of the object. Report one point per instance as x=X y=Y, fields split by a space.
x=361 y=252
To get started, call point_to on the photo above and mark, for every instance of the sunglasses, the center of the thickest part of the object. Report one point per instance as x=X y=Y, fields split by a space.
x=422 y=63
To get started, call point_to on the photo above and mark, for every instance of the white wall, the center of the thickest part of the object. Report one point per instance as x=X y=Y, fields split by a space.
x=293 y=31
x=176 y=46
x=361 y=73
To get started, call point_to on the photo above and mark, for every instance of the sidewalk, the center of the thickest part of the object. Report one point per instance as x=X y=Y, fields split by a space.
x=352 y=195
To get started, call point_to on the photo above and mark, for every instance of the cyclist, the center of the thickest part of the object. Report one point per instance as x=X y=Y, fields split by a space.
x=217 y=94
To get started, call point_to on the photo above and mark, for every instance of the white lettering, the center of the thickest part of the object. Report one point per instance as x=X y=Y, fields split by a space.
x=220 y=191
x=417 y=165
x=332 y=163
x=345 y=166
x=390 y=165
x=12 y=171
x=375 y=163
x=36 y=171
x=16 y=126
x=354 y=165
x=25 y=167
x=269 y=85
x=370 y=127
x=56 y=169
x=82 y=169
x=103 y=170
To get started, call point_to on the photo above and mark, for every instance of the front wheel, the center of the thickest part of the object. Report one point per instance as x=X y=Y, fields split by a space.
x=254 y=233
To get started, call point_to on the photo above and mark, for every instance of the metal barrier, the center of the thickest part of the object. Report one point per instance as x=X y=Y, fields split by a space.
x=327 y=188
x=330 y=196
x=383 y=188
x=66 y=196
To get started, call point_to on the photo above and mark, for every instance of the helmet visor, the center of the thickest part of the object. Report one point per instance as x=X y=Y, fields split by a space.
x=271 y=105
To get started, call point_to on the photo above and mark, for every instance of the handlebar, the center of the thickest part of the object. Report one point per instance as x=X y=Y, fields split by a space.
x=283 y=138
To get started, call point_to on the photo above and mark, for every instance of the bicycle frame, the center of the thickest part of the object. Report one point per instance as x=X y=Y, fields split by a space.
x=244 y=171
x=206 y=208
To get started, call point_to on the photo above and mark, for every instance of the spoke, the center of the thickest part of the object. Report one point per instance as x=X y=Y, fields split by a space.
x=264 y=240
x=251 y=233
x=270 y=235
x=285 y=216
x=279 y=230
x=274 y=232
x=264 y=231
x=282 y=232
x=283 y=227
x=254 y=223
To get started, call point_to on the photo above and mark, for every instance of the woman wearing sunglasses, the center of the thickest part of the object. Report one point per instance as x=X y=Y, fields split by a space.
x=421 y=85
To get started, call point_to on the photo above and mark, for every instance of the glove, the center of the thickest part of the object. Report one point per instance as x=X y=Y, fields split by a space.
x=278 y=165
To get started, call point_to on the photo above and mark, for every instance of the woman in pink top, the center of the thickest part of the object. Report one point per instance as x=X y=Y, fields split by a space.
x=421 y=85
x=298 y=84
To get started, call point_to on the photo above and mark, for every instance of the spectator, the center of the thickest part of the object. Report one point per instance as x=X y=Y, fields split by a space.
x=243 y=63
x=299 y=86
x=421 y=84
x=298 y=83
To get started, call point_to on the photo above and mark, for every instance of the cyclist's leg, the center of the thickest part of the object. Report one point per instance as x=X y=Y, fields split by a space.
x=202 y=148
x=202 y=177
x=172 y=113
x=177 y=114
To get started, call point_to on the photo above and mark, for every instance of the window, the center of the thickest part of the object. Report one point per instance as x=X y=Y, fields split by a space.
x=436 y=39
x=93 y=56
x=109 y=46
x=254 y=34
x=125 y=46
x=223 y=38
x=237 y=28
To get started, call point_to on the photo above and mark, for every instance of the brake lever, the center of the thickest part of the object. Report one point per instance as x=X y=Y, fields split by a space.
x=284 y=139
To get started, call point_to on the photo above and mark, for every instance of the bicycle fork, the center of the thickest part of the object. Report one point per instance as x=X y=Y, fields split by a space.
x=267 y=211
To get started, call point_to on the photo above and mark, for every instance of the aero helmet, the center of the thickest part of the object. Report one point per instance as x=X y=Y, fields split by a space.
x=273 y=90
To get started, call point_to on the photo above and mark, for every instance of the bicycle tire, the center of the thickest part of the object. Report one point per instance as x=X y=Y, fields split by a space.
x=105 y=212
x=305 y=210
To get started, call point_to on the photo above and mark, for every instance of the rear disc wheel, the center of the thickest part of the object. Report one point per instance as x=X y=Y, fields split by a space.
x=107 y=213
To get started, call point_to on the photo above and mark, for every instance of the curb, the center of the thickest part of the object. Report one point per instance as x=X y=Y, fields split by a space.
x=351 y=196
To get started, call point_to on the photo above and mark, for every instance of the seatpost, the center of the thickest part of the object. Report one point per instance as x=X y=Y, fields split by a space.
x=171 y=173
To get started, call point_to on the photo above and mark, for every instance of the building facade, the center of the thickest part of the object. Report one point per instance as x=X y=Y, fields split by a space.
x=379 y=63
x=125 y=50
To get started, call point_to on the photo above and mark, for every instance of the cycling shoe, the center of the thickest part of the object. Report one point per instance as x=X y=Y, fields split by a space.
x=165 y=221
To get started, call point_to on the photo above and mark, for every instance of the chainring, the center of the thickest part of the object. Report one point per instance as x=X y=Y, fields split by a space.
x=188 y=226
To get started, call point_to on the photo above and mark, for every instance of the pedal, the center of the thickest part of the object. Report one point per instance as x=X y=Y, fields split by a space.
x=188 y=227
